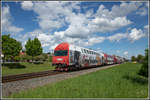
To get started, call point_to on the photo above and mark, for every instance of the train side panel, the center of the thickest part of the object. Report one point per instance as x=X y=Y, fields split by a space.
x=84 y=57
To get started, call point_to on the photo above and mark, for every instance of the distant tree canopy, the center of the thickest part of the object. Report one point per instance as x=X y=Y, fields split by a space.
x=140 y=58
x=33 y=47
x=133 y=58
x=10 y=46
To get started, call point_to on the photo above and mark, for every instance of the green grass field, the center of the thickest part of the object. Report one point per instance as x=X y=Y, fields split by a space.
x=20 y=68
x=121 y=81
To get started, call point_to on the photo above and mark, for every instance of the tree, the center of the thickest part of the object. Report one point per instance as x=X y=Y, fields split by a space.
x=10 y=47
x=33 y=47
x=140 y=58
x=144 y=69
x=133 y=58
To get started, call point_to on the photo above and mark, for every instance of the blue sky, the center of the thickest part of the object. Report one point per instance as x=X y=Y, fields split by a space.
x=119 y=28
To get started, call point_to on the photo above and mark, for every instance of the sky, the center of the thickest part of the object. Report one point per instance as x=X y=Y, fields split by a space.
x=119 y=28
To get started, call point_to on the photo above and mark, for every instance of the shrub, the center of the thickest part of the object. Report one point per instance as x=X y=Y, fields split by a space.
x=144 y=69
x=17 y=58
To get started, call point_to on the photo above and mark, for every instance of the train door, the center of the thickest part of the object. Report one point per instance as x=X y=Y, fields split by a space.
x=76 y=57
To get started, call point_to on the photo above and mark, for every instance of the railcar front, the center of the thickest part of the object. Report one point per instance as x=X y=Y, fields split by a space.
x=61 y=57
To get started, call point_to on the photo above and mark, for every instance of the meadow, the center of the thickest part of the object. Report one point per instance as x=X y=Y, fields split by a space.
x=121 y=81
x=25 y=67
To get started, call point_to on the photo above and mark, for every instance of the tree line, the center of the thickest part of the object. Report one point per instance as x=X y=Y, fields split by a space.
x=144 y=61
x=139 y=58
x=11 y=49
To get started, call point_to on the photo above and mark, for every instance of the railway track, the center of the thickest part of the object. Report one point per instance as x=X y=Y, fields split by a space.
x=18 y=77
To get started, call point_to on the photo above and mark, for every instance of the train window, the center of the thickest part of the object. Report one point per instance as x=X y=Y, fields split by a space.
x=84 y=51
x=61 y=53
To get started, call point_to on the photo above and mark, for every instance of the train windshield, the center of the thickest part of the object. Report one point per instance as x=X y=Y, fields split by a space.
x=61 y=53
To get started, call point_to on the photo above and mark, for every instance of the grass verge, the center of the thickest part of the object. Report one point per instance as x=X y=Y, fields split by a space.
x=20 y=68
x=121 y=81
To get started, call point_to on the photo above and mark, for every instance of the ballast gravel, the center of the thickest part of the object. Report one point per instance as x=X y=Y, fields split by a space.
x=17 y=86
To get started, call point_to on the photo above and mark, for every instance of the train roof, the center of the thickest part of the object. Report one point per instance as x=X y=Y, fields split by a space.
x=78 y=48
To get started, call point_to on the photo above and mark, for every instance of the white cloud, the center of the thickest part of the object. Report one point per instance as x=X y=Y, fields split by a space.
x=125 y=53
x=124 y=8
x=53 y=46
x=79 y=28
x=7 y=25
x=146 y=27
x=107 y=21
x=135 y=34
x=46 y=40
x=27 y=5
x=108 y=25
x=51 y=15
x=77 y=31
x=50 y=19
x=95 y=40
x=118 y=51
x=117 y=37
x=132 y=35
x=36 y=32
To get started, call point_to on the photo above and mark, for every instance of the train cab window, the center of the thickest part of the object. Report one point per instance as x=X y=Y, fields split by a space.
x=61 y=53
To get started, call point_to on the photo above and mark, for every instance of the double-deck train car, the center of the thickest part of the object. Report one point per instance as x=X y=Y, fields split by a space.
x=108 y=59
x=67 y=56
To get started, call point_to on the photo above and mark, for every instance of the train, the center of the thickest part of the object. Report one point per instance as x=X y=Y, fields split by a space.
x=67 y=57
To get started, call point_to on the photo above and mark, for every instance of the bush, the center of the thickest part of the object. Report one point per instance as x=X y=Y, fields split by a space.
x=50 y=58
x=144 y=69
x=45 y=56
x=39 y=58
x=17 y=58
